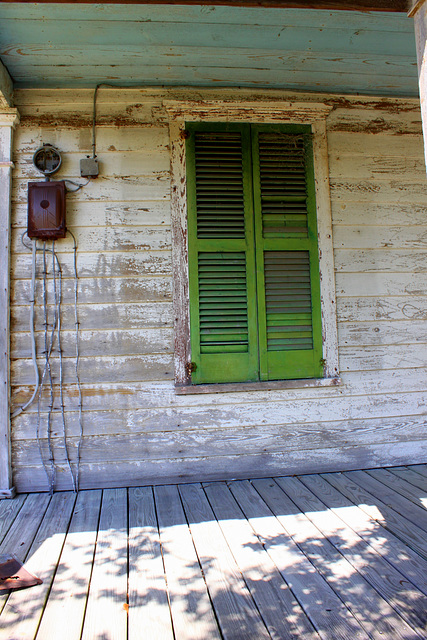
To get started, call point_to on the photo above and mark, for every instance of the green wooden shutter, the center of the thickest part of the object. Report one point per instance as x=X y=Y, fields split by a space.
x=224 y=340
x=290 y=333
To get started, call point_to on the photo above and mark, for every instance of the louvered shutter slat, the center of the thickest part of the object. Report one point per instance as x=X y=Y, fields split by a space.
x=286 y=237
x=221 y=255
x=252 y=319
x=283 y=185
x=219 y=185
x=288 y=300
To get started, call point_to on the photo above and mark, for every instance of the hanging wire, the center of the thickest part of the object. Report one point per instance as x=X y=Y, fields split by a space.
x=48 y=347
x=39 y=443
x=76 y=184
x=58 y=300
x=33 y=247
x=95 y=93
x=49 y=341
x=76 y=324
x=29 y=247
x=25 y=406
x=47 y=371
x=55 y=296
x=38 y=385
x=40 y=389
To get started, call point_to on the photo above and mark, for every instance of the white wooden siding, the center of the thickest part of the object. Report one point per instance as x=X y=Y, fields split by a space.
x=137 y=431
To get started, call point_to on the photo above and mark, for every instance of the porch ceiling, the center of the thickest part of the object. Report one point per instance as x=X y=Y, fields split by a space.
x=81 y=45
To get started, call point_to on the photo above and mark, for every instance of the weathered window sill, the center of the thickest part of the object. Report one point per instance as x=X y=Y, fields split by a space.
x=237 y=387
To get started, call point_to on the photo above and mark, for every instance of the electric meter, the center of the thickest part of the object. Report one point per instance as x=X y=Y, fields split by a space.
x=47 y=159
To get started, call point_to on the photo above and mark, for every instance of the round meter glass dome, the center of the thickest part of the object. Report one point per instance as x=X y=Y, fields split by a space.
x=47 y=159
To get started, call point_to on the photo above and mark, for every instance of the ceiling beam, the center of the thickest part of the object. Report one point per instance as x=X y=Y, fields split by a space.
x=6 y=87
x=414 y=6
x=331 y=5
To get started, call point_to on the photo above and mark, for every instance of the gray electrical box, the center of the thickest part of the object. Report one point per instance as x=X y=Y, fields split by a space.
x=89 y=168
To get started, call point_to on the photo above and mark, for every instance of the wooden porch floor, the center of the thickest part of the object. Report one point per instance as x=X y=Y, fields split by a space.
x=330 y=556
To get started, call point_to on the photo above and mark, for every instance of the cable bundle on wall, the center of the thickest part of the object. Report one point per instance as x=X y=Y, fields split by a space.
x=46 y=222
x=50 y=336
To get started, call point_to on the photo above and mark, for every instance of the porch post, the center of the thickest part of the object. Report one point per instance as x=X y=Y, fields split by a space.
x=419 y=12
x=8 y=119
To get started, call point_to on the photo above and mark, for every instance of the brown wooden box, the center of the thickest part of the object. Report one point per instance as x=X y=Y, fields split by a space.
x=46 y=210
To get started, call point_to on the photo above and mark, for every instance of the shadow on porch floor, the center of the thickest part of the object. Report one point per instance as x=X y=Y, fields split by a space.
x=332 y=556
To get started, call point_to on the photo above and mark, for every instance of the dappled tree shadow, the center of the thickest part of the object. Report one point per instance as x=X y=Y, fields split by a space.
x=330 y=556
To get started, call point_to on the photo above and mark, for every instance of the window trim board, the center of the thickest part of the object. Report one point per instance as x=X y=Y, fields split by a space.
x=209 y=111
x=180 y=286
x=271 y=385
x=326 y=252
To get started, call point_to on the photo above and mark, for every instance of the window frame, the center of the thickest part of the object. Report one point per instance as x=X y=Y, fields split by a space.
x=313 y=114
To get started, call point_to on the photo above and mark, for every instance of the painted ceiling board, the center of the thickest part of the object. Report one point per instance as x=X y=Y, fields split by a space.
x=75 y=45
x=212 y=57
x=183 y=13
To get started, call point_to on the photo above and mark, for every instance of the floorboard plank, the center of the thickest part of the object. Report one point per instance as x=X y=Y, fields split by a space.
x=282 y=615
x=8 y=511
x=236 y=612
x=106 y=614
x=325 y=610
x=401 y=486
x=361 y=577
x=191 y=607
x=414 y=513
x=148 y=598
x=410 y=476
x=20 y=535
x=64 y=611
x=337 y=556
x=23 y=610
x=421 y=469
x=379 y=511
x=396 y=552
